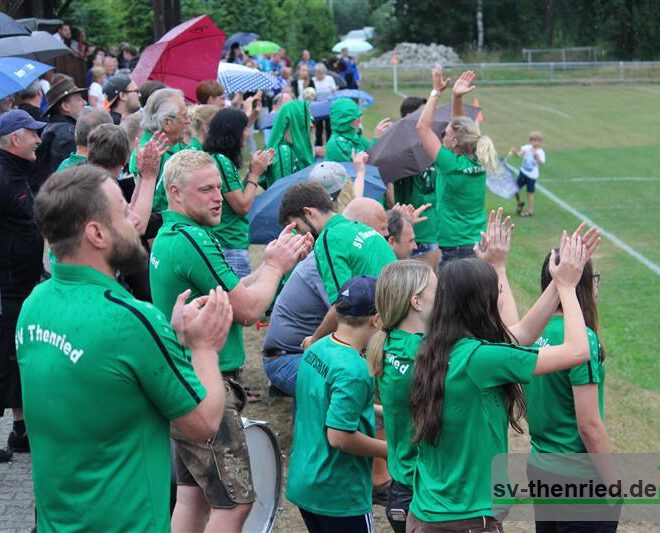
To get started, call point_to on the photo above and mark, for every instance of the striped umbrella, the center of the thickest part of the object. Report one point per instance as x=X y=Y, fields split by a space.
x=241 y=79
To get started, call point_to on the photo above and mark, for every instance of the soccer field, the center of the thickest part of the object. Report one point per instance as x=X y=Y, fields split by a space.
x=603 y=163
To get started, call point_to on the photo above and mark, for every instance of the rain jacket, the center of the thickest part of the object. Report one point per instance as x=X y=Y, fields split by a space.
x=344 y=139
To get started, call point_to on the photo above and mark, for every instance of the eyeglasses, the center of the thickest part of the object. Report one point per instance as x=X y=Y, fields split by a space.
x=443 y=133
x=596 y=278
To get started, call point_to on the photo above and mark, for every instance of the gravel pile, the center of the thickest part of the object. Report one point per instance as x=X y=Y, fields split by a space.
x=413 y=53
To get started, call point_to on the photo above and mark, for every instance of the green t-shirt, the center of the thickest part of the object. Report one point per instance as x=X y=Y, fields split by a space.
x=348 y=249
x=340 y=148
x=417 y=191
x=550 y=403
x=460 y=195
x=184 y=256
x=72 y=160
x=452 y=478
x=194 y=144
x=335 y=390
x=394 y=386
x=284 y=164
x=233 y=231
x=160 y=198
x=103 y=374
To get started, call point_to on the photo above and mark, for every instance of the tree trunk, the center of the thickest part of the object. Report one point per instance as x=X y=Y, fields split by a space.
x=480 y=25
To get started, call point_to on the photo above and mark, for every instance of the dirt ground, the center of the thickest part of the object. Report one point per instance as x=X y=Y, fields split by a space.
x=278 y=413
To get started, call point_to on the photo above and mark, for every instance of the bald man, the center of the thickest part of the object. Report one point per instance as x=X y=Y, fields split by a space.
x=369 y=212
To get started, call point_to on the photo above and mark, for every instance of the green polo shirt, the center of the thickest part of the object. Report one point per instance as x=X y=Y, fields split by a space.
x=194 y=144
x=102 y=374
x=394 y=386
x=233 y=231
x=346 y=249
x=460 y=196
x=72 y=160
x=284 y=164
x=160 y=198
x=550 y=402
x=417 y=191
x=338 y=392
x=185 y=256
x=452 y=478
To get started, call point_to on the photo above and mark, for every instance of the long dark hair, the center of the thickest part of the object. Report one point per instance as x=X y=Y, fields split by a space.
x=584 y=290
x=465 y=306
x=226 y=134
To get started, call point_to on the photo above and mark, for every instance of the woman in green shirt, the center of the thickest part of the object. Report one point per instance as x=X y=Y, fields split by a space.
x=346 y=139
x=291 y=142
x=462 y=157
x=466 y=385
x=228 y=132
x=404 y=299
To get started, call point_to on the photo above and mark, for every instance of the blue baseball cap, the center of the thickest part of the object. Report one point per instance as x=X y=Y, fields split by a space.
x=357 y=297
x=16 y=119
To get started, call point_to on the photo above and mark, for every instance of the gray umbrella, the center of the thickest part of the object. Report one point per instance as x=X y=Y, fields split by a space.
x=399 y=152
x=40 y=46
x=9 y=27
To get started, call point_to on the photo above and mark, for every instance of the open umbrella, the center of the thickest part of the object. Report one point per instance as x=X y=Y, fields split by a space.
x=399 y=152
x=264 y=214
x=241 y=79
x=242 y=38
x=256 y=48
x=184 y=56
x=9 y=27
x=355 y=46
x=339 y=81
x=40 y=46
x=17 y=73
x=364 y=98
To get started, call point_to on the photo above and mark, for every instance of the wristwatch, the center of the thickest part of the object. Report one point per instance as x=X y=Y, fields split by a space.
x=434 y=93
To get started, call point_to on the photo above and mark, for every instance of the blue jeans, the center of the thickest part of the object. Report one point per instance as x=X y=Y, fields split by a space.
x=282 y=371
x=239 y=260
x=456 y=252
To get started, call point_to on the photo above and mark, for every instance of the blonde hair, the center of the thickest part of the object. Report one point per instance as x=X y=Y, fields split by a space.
x=201 y=115
x=178 y=167
x=397 y=284
x=471 y=143
x=97 y=73
x=536 y=136
x=345 y=196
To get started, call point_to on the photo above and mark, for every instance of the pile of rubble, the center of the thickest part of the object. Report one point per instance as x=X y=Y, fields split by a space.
x=413 y=53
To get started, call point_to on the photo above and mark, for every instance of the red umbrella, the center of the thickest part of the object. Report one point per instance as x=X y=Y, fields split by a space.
x=184 y=56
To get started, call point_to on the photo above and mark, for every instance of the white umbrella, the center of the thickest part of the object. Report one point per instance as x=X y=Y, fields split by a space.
x=354 y=46
x=241 y=79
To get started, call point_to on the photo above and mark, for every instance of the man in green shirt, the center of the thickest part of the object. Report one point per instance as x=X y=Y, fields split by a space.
x=87 y=121
x=165 y=112
x=103 y=374
x=333 y=442
x=187 y=256
x=343 y=249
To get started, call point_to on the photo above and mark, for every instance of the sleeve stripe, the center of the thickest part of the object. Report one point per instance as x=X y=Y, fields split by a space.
x=509 y=345
x=591 y=372
x=327 y=253
x=204 y=258
x=158 y=342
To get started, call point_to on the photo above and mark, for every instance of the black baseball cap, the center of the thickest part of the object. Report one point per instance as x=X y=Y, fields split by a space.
x=114 y=85
x=16 y=119
x=357 y=297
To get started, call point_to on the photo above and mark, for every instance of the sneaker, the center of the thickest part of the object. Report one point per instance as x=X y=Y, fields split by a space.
x=381 y=493
x=5 y=456
x=18 y=443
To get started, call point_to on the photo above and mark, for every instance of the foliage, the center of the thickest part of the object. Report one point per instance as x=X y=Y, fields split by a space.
x=350 y=15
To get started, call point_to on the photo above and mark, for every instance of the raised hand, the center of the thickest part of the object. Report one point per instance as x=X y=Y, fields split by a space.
x=360 y=161
x=495 y=242
x=284 y=252
x=591 y=239
x=572 y=258
x=204 y=322
x=415 y=215
x=464 y=84
x=439 y=83
x=148 y=157
x=382 y=127
x=260 y=161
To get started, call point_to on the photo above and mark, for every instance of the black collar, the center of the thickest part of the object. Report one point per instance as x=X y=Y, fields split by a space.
x=13 y=165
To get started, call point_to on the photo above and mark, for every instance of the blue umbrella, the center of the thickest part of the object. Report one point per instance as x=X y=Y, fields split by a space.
x=17 y=73
x=242 y=38
x=10 y=28
x=364 y=97
x=264 y=215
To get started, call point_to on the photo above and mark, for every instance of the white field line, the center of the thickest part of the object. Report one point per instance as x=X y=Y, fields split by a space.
x=611 y=237
x=546 y=108
x=607 y=178
x=648 y=90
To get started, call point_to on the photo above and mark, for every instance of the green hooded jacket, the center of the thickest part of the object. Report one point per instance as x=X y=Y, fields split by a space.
x=290 y=157
x=344 y=139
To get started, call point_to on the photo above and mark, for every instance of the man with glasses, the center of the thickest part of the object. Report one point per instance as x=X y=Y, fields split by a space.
x=123 y=96
x=166 y=112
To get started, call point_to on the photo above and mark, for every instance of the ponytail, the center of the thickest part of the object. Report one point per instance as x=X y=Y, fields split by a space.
x=374 y=353
x=486 y=154
x=471 y=143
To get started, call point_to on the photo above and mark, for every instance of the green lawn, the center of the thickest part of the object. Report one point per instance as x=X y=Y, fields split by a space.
x=591 y=133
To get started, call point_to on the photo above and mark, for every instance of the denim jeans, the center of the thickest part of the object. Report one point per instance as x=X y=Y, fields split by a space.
x=239 y=260
x=282 y=371
x=456 y=252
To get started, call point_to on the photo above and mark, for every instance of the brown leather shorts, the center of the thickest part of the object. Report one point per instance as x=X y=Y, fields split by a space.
x=220 y=466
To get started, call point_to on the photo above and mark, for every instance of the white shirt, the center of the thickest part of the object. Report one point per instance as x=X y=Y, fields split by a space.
x=95 y=89
x=324 y=88
x=529 y=165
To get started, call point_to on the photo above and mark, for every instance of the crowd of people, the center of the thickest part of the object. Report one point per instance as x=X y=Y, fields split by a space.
x=126 y=282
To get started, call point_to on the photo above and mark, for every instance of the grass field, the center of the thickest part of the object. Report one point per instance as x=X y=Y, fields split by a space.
x=597 y=138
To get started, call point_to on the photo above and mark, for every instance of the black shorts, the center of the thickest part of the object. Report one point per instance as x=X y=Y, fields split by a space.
x=525 y=181
x=398 y=504
x=10 y=379
x=317 y=523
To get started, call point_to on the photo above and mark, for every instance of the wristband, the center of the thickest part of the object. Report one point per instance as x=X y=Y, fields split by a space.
x=252 y=182
x=433 y=93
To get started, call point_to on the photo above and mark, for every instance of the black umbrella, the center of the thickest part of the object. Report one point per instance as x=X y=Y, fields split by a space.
x=242 y=38
x=40 y=46
x=399 y=152
x=9 y=27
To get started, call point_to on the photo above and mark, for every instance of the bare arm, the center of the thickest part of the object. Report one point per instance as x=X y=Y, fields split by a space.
x=360 y=164
x=327 y=326
x=532 y=324
x=148 y=165
x=357 y=443
x=463 y=86
x=430 y=141
x=241 y=200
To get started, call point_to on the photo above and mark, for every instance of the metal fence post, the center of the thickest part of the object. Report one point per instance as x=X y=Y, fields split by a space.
x=622 y=75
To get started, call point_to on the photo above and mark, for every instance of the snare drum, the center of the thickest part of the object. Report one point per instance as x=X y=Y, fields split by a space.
x=266 y=468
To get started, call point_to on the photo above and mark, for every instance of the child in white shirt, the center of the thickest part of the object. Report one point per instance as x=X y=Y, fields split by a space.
x=533 y=156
